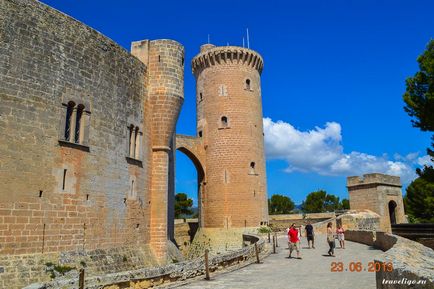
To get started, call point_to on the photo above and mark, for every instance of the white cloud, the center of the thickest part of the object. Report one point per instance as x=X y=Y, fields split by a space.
x=320 y=150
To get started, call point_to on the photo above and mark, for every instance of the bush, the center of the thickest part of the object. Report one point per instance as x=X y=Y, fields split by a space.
x=264 y=230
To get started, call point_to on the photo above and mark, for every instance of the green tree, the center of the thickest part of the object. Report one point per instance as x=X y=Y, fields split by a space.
x=419 y=200
x=320 y=201
x=279 y=204
x=419 y=104
x=419 y=95
x=331 y=203
x=345 y=204
x=183 y=205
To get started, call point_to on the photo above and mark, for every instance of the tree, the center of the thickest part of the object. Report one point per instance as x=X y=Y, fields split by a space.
x=320 y=201
x=279 y=204
x=183 y=205
x=345 y=204
x=419 y=200
x=331 y=203
x=419 y=95
x=419 y=104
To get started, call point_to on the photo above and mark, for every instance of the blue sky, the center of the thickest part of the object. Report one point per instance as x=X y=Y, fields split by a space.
x=332 y=83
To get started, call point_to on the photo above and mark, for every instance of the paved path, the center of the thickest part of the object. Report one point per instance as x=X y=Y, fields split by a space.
x=311 y=272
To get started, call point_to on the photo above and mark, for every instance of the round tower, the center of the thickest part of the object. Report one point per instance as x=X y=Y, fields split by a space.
x=229 y=121
x=165 y=71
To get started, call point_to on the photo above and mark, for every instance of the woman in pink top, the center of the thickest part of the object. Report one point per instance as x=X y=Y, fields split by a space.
x=341 y=238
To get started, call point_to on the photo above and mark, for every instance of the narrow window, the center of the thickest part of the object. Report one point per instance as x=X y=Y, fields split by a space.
x=224 y=121
x=247 y=84
x=182 y=61
x=87 y=197
x=223 y=90
x=69 y=110
x=132 y=189
x=78 y=124
x=40 y=194
x=252 y=168
x=136 y=143
x=200 y=133
x=130 y=141
x=134 y=138
x=64 y=179
x=159 y=58
x=200 y=96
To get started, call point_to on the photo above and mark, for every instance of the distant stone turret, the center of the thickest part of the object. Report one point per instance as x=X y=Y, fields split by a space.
x=379 y=193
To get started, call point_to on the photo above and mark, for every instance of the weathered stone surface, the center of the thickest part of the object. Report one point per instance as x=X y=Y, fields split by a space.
x=379 y=193
x=410 y=260
x=351 y=220
x=228 y=150
x=97 y=194
x=165 y=274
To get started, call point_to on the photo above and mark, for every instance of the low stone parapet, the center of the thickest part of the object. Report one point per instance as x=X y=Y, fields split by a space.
x=412 y=263
x=179 y=272
x=362 y=236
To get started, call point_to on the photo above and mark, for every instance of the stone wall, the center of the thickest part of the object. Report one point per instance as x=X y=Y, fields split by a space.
x=282 y=222
x=59 y=195
x=352 y=220
x=184 y=233
x=360 y=236
x=218 y=240
x=84 y=138
x=309 y=216
x=179 y=272
x=411 y=261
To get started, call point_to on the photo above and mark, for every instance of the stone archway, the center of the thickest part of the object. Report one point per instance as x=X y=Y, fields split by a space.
x=192 y=148
x=392 y=212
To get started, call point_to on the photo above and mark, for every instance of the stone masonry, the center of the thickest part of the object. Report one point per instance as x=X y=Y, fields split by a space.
x=379 y=193
x=87 y=138
x=229 y=146
x=85 y=130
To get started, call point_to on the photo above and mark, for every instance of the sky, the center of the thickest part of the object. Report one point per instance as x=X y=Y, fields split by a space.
x=332 y=85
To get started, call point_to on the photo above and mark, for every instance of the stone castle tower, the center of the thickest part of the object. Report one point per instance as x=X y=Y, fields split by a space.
x=165 y=63
x=229 y=147
x=379 y=193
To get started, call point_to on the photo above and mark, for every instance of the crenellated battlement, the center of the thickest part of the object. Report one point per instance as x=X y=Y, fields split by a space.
x=211 y=55
x=373 y=179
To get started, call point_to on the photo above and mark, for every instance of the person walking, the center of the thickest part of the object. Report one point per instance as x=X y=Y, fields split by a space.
x=294 y=241
x=287 y=235
x=341 y=238
x=331 y=239
x=310 y=235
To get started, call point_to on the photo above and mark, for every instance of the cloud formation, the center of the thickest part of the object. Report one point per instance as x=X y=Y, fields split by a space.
x=320 y=150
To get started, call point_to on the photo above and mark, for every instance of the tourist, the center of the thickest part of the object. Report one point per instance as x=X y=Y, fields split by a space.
x=310 y=235
x=287 y=235
x=299 y=229
x=331 y=239
x=341 y=238
x=294 y=241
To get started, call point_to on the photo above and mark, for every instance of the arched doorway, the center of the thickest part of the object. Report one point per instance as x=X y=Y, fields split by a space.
x=392 y=212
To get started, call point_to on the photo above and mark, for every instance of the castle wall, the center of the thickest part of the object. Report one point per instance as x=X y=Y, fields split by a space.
x=57 y=195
